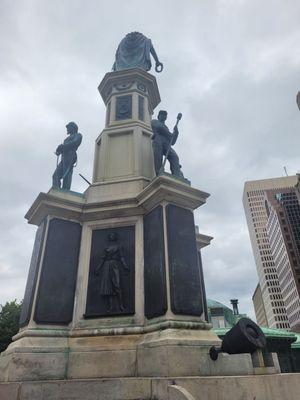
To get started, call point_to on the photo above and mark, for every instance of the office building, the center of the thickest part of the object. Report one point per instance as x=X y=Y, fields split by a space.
x=283 y=228
x=259 y=307
x=254 y=201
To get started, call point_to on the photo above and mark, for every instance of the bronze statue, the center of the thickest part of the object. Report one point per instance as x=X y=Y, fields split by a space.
x=134 y=52
x=110 y=286
x=67 y=151
x=162 y=142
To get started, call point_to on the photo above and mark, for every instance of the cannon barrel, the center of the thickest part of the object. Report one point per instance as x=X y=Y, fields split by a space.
x=245 y=337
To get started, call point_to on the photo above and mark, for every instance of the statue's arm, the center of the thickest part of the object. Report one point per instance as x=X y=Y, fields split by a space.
x=153 y=52
x=59 y=149
x=175 y=135
x=122 y=259
x=158 y=64
x=74 y=143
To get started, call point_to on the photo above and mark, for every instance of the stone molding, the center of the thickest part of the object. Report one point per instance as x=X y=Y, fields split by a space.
x=162 y=188
x=113 y=80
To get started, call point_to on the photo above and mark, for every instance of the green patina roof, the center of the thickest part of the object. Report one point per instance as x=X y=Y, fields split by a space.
x=216 y=304
x=228 y=313
x=296 y=345
x=278 y=333
x=269 y=333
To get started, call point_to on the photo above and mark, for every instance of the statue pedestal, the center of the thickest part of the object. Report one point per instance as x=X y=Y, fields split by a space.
x=67 y=331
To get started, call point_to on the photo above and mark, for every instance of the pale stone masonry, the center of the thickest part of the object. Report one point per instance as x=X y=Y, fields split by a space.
x=256 y=215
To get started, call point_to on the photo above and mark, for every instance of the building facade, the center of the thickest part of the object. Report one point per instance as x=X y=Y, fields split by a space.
x=254 y=199
x=259 y=307
x=298 y=188
x=283 y=227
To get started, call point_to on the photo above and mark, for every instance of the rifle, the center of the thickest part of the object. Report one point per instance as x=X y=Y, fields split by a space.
x=162 y=168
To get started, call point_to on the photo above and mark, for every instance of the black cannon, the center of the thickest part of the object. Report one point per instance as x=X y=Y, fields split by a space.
x=245 y=337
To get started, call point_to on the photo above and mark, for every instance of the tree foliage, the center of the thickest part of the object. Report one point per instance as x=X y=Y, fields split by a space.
x=9 y=322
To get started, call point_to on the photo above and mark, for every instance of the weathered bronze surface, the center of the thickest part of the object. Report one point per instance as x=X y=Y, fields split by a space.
x=154 y=264
x=162 y=140
x=186 y=296
x=109 y=266
x=245 y=337
x=124 y=107
x=134 y=52
x=67 y=151
x=32 y=275
x=56 y=292
x=111 y=287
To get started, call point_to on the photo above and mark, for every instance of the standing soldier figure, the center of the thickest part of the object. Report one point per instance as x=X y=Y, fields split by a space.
x=67 y=150
x=163 y=139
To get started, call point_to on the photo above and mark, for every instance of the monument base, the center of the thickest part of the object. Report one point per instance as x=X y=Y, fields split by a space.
x=166 y=353
x=272 y=387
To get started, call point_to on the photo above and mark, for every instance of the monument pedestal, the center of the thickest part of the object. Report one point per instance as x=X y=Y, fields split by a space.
x=68 y=333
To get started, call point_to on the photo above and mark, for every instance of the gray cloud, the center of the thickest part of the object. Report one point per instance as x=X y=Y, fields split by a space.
x=232 y=69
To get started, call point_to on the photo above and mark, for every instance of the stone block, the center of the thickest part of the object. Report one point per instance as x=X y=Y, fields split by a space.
x=99 y=389
x=9 y=391
x=37 y=366
x=152 y=362
x=270 y=387
x=175 y=352
x=176 y=392
x=102 y=364
x=32 y=391
x=168 y=361
x=4 y=364
x=230 y=364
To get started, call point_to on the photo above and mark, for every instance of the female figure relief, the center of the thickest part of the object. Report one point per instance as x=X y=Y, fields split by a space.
x=112 y=260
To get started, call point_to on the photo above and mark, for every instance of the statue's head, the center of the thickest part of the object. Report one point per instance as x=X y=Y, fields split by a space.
x=162 y=115
x=112 y=237
x=71 y=128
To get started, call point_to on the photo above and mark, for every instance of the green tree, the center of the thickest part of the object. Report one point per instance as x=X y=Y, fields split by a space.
x=9 y=322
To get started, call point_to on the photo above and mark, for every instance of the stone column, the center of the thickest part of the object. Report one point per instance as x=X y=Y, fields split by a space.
x=123 y=163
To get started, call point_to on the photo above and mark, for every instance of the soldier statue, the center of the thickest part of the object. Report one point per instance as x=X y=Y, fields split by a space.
x=67 y=151
x=134 y=52
x=162 y=142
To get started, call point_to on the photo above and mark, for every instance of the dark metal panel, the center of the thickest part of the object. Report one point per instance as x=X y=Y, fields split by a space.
x=56 y=291
x=124 y=107
x=154 y=264
x=141 y=107
x=183 y=262
x=203 y=291
x=112 y=291
x=32 y=274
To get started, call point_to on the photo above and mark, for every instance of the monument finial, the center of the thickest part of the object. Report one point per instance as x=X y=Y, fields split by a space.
x=134 y=52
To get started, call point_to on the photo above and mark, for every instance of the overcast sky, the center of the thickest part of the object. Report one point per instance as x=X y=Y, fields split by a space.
x=232 y=67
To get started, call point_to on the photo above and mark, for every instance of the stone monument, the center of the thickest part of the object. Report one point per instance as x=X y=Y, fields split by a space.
x=114 y=301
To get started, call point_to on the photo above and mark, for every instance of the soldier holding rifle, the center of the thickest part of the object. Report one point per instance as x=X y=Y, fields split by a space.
x=163 y=140
x=67 y=152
